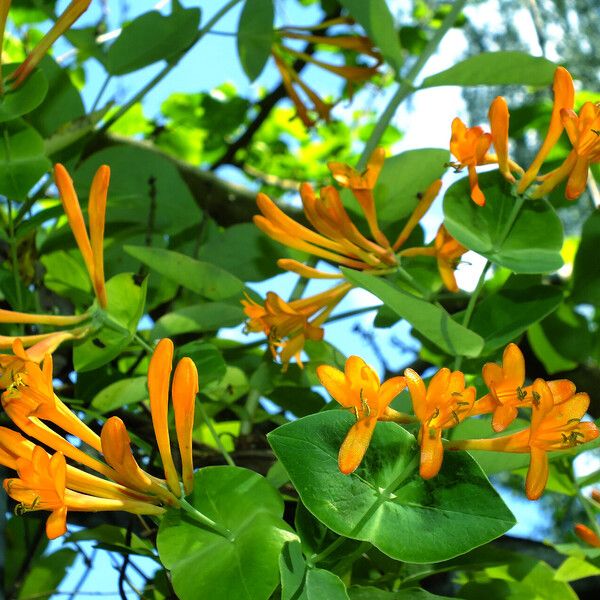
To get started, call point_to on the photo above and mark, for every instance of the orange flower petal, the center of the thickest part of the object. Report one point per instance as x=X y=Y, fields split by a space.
x=335 y=382
x=537 y=474
x=418 y=394
x=432 y=452
x=355 y=445
x=504 y=415
x=513 y=365
x=56 y=524
x=97 y=215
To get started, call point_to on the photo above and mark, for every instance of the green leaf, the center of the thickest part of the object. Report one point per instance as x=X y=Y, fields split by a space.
x=358 y=592
x=576 y=568
x=562 y=340
x=299 y=582
x=534 y=242
x=429 y=320
x=202 y=278
x=245 y=567
x=25 y=98
x=440 y=518
x=152 y=37
x=496 y=68
x=126 y=300
x=120 y=393
x=255 y=36
x=403 y=177
x=67 y=276
x=586 y=270
x=503 y=316
x=22 y=160
x=45 y=574
x=141 y=178
x=378 y=22
x=198 y=318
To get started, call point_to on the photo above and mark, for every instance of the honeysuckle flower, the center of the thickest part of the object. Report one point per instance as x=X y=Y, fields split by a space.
x=596 y=495
x=184 y=391
x=288 y=325
x=358 y=388
x=73 y=11
x=584 y=134
x=499 y=117
x=447 y=251
x=564 y=97
x=42 y=485
x=508 y=392
x=362 y=185
x=554 y=426
x=336 y=238
x=285 y=57
x=425 y=202
x=587 y=535
x=443 y=404
x=470 y=147
x=91 y=247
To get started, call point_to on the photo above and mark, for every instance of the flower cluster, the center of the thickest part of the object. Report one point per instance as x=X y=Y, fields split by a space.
x=470 y=145
x=335 y=238
x=47 y=482
x=92 y=251
x=556 y=413
x=286 y=58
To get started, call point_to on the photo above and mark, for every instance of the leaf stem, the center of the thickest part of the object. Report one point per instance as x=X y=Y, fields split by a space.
x=215 y=435
x=406 y=86
x=202 y=518
x=319 y=557
x=251 y=404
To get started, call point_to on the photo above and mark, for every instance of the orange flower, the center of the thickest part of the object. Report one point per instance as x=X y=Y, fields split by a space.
x=442 y=405
x=92 y=252
x=584 y=134
x=564 y=96
x=554 y=426
x=288 y=325
x=75 y=9
x=338 y=240
x=359 y=389
x=41 y=485
x=586 y=535
x=285 y=58
x=362 y=185
x=508 y=392
x=447 y=251
x=470 y=146
x=499 y=117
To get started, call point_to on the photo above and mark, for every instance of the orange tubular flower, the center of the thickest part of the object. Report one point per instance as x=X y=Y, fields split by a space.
x=75 y=9
x=159 y=374
x=499 y=117
x=184 y=391
x=584 y=134
x=508 y=392
x=470 y=146
x=288 y=325
x=41 y=485
x=359 y=389
x=554 y=426
x=92 y=252
x=285 y=57
x=362 y=185
x=585 y=534
x=447 y=251
x=564 y=97
x=442 y=405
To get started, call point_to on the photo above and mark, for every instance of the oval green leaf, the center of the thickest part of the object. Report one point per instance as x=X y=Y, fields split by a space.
x=245 y=568
x=496 y=68
x=429 y=320
x=25 y=98
x=534 y=242
x=385 y=501
x=255 y=36
x=203 y=278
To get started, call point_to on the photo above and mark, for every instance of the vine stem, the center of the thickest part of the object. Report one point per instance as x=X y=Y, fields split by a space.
x=407 y=84
x=169 y=66
x=215 y=435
